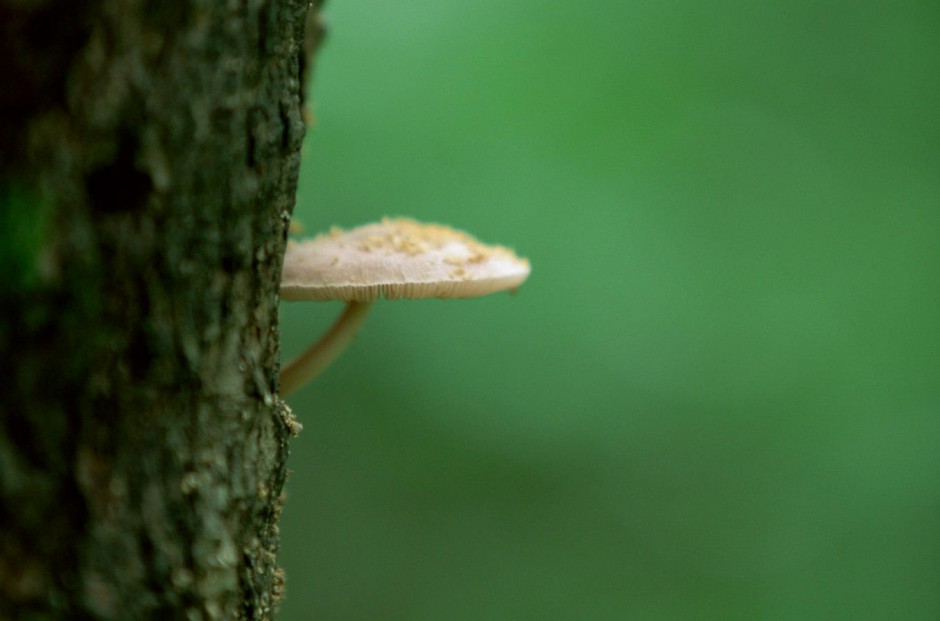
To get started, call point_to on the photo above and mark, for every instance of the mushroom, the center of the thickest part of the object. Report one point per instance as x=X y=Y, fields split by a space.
x=396 y=258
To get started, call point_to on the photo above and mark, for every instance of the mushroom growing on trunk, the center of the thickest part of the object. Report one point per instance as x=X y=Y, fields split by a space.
x=396 y=258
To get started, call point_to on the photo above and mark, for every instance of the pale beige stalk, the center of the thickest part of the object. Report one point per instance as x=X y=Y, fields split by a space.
x=318 y=356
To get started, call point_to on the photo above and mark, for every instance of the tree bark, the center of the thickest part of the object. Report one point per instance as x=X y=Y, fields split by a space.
x=149 y=153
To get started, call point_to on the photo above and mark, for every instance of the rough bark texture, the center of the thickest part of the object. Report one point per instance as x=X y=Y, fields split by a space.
x=149 y=153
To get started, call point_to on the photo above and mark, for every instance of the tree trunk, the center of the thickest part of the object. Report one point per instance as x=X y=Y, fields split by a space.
x=149 y=154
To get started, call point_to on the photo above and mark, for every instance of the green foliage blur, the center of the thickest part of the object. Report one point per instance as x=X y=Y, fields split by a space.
x=718 y=395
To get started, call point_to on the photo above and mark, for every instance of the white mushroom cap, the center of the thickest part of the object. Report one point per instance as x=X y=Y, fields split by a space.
x=397 y=258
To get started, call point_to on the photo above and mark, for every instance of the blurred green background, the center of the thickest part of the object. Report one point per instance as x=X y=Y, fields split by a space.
x=717 y=396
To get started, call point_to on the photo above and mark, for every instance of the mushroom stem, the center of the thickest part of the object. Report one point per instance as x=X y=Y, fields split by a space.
x=318 y=356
